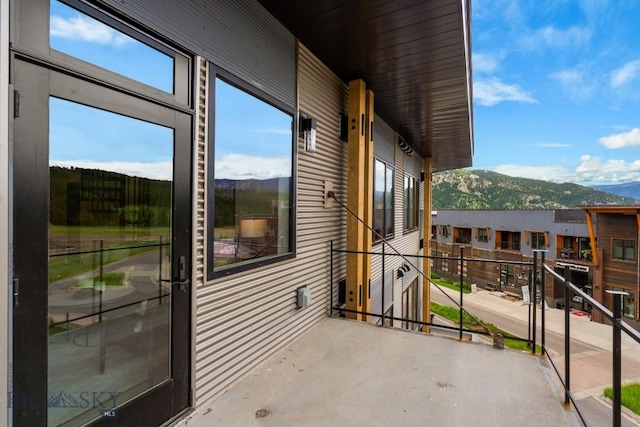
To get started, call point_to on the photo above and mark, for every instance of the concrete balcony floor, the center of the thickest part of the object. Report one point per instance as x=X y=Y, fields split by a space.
x=350 y=373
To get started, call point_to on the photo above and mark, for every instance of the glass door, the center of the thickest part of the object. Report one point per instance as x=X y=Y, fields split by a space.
x=102 y=229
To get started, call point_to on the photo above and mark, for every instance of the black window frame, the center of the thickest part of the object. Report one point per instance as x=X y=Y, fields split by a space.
x=387 y=235
x=411 y=192
x=218 y=73
x=183 y=61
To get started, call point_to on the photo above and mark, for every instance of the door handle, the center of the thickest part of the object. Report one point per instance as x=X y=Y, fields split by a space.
x=183 y=282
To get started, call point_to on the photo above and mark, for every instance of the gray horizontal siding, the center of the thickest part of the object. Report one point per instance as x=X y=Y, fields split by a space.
x=244 y=319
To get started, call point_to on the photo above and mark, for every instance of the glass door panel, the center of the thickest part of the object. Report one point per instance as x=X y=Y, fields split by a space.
x=109 y=292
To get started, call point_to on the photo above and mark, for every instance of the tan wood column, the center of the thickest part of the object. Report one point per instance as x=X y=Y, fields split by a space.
x=426 y=235
x=368 y=202
x=592 y=239
x=356 y=286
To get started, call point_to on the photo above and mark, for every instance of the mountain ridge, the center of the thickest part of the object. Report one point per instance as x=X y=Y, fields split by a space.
x=483 y=189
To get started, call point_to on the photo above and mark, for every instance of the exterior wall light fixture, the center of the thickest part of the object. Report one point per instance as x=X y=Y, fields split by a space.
x=308 y=130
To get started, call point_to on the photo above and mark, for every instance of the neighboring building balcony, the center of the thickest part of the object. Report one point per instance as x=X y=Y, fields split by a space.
x=573 y=248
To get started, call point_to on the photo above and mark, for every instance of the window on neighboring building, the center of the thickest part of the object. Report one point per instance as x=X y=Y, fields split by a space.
x=444 y=230
x=508 y=240
x=507 y=275
x=515 y=240
x=252 y=180
x=538 y=241
x=483 y=235
x=628 y=303
x=411 y=200
x=383 y=223
x=624 y=250
x=462 y=235
x=434 y=231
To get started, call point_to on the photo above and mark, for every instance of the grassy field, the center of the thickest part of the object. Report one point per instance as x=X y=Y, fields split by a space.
x=62 y=230
x=448 y=283
x=629 y=396
x=453 y=314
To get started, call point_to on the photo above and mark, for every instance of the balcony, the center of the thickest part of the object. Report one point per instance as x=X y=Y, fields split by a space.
x=344 y=372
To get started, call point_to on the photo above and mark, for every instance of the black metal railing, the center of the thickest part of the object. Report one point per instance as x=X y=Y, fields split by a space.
x=618 y=326
x=410 y=260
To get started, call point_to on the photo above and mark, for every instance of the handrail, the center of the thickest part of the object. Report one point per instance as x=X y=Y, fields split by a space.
x=332 y=195
x=594 y=303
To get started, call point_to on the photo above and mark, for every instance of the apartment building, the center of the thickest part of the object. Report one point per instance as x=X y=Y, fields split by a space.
x=165 y=170
x=513 y=236
x=616 y=266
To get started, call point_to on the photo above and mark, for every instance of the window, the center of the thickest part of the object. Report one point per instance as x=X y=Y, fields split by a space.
x=538 y=241
x=628 y=302
x=624 y=250
x=462 y=235
x=483 y=235
x=109 y=44
x=383 y=201
x=411 y=200
x=410 y=306
x=507 y=275
x=508 y=240
x=444 y=230
x=515 y=239
x=252 y=180
x=434 y=231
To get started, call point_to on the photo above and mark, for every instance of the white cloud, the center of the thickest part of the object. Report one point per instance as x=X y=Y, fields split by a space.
x=86 y=29
x=572 y=37
x=243 y=166
x=577 y=83
x=621 y=140
x=593 y=169
x=624 y=74
x=554 y=173
x=492 y=91
x=159 y=170
x=484 y=63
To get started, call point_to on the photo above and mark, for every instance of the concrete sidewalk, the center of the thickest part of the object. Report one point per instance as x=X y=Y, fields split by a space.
x=582 y=328
x=591 y=370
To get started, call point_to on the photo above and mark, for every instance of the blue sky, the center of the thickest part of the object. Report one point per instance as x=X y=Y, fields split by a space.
x=557 y=89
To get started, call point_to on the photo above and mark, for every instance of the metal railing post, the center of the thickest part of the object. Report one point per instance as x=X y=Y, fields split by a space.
x=567 y=341
x=331 y=277
x=534 y=298
x=160 y=273
x=617 y=356
x=382 y=303
x=102 y=286
x=461 y=293
x=542 y=302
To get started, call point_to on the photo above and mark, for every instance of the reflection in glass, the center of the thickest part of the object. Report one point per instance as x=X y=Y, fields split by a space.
x=77 y=34
x=109 y=251
x=253 y=170
x=383 y=221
